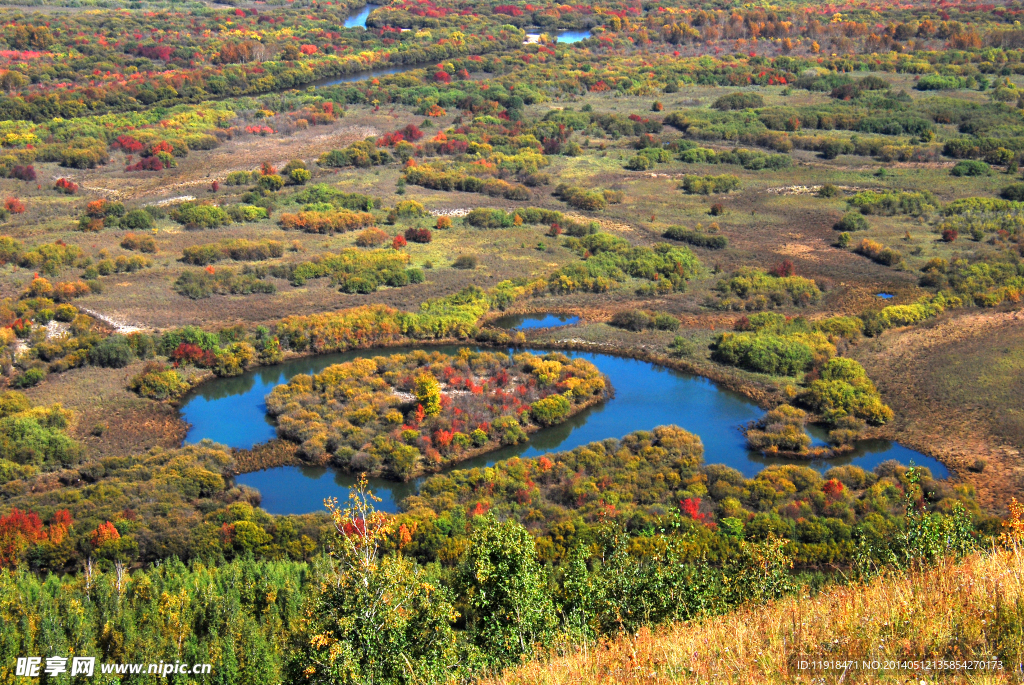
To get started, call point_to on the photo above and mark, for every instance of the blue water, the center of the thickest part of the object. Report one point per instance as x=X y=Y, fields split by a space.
x=231 y=411
x=572 y=36
x=520 y=322
x=359 y=19
x=365 y=75
x=884 y=296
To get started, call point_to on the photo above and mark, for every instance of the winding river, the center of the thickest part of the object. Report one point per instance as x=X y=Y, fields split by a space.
x=231 y=411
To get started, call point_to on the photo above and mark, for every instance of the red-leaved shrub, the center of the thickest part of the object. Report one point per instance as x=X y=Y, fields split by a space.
x=418 y=235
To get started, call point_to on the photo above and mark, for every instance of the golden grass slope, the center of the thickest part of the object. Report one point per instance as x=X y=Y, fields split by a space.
x=969 y=609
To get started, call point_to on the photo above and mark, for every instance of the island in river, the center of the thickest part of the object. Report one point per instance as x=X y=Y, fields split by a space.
x=403 y=415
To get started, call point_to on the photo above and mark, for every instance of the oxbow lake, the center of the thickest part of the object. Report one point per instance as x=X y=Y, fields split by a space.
x=231 y=411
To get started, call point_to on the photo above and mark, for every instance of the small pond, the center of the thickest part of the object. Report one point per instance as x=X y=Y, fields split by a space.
x=521 y=322
x=231 y=411
x=884 y=296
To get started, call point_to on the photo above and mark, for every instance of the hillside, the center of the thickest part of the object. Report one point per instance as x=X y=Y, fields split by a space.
x=971 y=609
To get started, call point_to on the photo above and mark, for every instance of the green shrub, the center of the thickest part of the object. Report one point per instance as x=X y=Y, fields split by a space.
x=238 y=178
x=696 y=238
x=114 y=352
x=971 y=167
x=299 y=177
x=844 y=389
x=707 y=185
x=1013 y=192
x=137 y=220
x=757 y=290
x=550 y=410
x=634 y=320
x=764 y=353
x=193 y=215
x=159 y=382
x=852 y=221
x=937 y=82
x=247 y=213
x=780 y=430
x=28 y=379
x=664 y=322
x=580 y=198
x=199 y=284
x=892 y=203
x=738 y=101
x=270 y=183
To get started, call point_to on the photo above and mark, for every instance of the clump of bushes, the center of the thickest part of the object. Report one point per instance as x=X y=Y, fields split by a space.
x=696 y=238
x=780 y=431
x=971 y=167
x=238 y=249
x=580 y=198
x=355 y=271
x=844 y=389
x=646 y=159
x=202 y=283
x=372 y=237
x=852 y=221
x=364 y=153
x=247 y=213
x=121 y=264
x=707 y=185
x=142 y=243
x=159 y=382
x=638 y=320
x=613 y=260
x=755 y=290
x=322 y=193
x=940 y=82
x=892 y=203
x=193 y=216
x=465 y=262
x=326 y=222
x=418 y=235
x=238 y=178
x=114 y=352
x=1013 y=192
x=748 y=159
x=735 y=101
x=770 y=343
x=769 y=353
x=101 y=214
x=34 y=436
x=877 y=252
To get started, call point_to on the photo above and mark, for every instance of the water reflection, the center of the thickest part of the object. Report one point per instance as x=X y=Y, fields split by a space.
x=519 y=322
